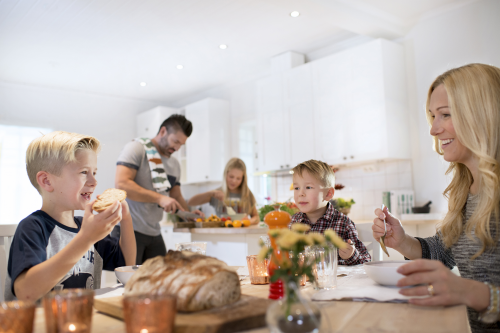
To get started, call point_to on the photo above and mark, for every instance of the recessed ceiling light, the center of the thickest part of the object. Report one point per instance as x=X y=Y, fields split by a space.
x=223 y=46
x=180 y=67
x=143 y=84
x=294 y=14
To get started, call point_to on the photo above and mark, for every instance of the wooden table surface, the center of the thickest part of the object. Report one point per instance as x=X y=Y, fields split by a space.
x=342 y=316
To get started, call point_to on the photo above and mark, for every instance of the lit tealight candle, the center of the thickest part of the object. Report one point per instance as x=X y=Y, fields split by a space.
x=75 y=328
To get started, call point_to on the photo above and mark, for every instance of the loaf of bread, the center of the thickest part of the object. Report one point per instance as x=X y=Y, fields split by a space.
x=107 y=198
x=199 y=282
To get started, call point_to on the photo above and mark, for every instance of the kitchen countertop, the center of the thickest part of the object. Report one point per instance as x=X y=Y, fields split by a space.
x=246 y=230
x=406 y=219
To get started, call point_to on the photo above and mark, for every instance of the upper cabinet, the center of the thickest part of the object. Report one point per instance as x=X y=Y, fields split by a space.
x=360 y=101
x=349 y=107
x=149 y=122
x=207 y=149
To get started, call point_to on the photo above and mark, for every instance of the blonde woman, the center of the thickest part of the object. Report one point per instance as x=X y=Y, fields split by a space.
x=233 y=193
x=463 y=111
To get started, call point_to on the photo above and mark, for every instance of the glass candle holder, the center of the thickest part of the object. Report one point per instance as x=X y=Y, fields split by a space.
x=17 y=317
x=258 y=270
x=149 y=313
x=69 y=311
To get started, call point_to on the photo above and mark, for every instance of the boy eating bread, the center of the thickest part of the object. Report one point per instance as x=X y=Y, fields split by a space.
x=313 y=187
x=52 y=249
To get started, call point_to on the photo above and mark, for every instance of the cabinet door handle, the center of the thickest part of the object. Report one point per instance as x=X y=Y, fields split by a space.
x=345 y=158
x=206 y=177
x=352 y=157
x=281 y=167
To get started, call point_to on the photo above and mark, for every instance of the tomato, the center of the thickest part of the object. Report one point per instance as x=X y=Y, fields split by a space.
x=223 y=219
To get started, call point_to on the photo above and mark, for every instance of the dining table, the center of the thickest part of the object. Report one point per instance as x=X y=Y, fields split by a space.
x=338 y=316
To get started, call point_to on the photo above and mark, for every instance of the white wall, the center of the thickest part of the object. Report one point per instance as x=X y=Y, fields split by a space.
x=110 y=119
x=465 y=35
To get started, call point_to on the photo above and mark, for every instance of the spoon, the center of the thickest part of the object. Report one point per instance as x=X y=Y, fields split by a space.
x=382 y=238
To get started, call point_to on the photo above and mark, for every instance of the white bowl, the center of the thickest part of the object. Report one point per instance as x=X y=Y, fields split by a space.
x=384 y=272
x=124 y=273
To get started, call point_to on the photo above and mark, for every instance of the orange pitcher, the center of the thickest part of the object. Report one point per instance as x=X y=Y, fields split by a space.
x=276 y=219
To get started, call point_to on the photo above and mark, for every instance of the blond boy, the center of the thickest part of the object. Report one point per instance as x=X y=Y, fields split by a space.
x=314 y=186
x=53 y=249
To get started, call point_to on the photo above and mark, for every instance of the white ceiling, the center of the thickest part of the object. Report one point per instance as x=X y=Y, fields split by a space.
x=110 y=46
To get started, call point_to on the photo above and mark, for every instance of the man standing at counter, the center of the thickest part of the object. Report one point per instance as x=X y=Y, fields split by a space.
x=146 y=170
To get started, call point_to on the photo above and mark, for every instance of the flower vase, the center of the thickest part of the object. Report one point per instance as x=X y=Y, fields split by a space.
x=293 y=313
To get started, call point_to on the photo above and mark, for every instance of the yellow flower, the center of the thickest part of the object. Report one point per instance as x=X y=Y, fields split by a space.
x=274 y=232
x=300 y=227
x=287 y=239
x=263 y=253
x=332 y=237
x=316 y=238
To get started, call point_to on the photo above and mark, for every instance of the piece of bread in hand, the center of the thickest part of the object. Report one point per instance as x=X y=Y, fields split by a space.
x=107 y=198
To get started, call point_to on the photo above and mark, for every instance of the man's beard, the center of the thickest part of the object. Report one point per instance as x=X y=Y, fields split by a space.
x=164 y=147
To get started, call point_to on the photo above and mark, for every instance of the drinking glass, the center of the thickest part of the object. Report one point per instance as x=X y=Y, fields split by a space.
x=196 y=247
x=17 y=317
x=69 y=310
x=325 y=268
x=149 y=313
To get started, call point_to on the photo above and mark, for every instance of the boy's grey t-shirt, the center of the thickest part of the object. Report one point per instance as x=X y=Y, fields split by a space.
x=147 y=215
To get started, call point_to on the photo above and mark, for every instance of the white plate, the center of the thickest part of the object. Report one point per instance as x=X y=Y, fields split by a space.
x=384 y=272
x=124 y=273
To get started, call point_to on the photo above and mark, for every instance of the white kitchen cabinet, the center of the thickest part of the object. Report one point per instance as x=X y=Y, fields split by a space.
x=300 y=114
x=360 y=101
x=148 y=123
x=346 y=108
x=273 y=131
x=207 y=149
x=284 y=103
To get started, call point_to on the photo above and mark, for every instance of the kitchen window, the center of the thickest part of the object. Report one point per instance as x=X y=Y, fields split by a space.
x=18 y=198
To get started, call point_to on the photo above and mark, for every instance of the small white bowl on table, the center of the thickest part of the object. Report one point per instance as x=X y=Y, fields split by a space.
x=124 y=273
x=384 y=272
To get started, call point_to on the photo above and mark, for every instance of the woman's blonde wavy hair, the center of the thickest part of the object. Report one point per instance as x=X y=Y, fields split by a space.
x=474 y=101
x=247 y=201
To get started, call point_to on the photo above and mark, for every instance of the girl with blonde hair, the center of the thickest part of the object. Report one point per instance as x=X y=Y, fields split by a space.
x=234 y=192
x=463 y=111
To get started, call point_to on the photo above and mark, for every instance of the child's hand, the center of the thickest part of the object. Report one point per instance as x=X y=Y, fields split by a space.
x=96 y=227
x=125 y=209
x=348 y=251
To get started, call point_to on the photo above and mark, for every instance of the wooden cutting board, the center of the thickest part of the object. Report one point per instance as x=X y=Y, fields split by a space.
x=248 y=313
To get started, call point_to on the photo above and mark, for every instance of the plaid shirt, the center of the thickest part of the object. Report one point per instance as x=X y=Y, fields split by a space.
x=343 y=226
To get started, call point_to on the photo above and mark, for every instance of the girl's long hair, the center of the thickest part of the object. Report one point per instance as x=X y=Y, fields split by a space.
x=247 y=201
x=474 y=101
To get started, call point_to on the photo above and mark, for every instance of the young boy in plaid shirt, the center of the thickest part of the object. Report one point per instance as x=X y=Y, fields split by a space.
x=313 y=186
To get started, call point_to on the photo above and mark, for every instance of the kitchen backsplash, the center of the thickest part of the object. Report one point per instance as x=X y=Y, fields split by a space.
x=364 y=184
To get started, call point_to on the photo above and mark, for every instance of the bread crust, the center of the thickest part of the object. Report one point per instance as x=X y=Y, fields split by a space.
x=108 y=198
x=199 y=282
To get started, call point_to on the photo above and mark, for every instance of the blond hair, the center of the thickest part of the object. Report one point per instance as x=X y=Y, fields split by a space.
x=474 y=102
x=247 y=201
x=51 y=152
x=319 y=170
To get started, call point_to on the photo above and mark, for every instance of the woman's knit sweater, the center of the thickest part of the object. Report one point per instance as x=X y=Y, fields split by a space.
x=485 y=268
